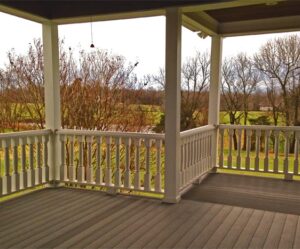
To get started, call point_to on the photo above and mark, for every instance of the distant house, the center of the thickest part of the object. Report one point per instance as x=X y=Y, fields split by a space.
x=265 y=108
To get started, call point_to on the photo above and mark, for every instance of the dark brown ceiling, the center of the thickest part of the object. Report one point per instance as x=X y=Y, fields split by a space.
x=288 y=8
x=67 y=8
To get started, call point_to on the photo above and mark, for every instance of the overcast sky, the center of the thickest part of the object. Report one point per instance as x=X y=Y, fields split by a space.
x=140 y=39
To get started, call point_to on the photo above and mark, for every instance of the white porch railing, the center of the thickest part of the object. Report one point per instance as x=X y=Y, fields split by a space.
x=115 y=160
x=126 y=161
x=266 y=149
x=23 y=160
x=196 y=154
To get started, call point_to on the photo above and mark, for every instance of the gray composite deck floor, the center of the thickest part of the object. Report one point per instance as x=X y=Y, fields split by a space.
x=72 y=218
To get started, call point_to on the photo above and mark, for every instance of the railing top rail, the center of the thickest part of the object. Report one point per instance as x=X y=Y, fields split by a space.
x=197 y=130
x=261 y=127
x=111 y=134
x=25 y=133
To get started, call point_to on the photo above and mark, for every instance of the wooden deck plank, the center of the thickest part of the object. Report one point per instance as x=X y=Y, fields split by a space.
x=85 y=233
x=186 y=227
x=247 y=233
x=296 y=244
x=73 y=225
x=262 y=231
x=132 y=237
x=219 y=234
x=58 y=225
x=19 y=200
x=235 y=231
x=30 y=216
x=9 y=206
x=289 y=231
x=51 y=215
x=118 y=230
x=251 y=192
x=105 y=228
x=181 y=212
x=73 y=218
x=185 y=241
x=273 y=239
x=210 y=229
x=176 y=225
x=207 y=230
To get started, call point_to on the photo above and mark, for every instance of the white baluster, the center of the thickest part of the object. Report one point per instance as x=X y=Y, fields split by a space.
x=229 y=159
x=197 y=155
x=206 y=141
x=81 y=168
x=24 y=173
x=127 y=163
x=296 y=153
x=72 y=168
x=266 y=160
x=7 y=177
x=248 y=149
x=239 y=146
x=89 y=170
x=108 y=164
x=31 y=173
x=118 y=171
x=63 y=175
x=286 y=153
x=137 y=180
x=276 y=151
x=157 y=186
x=15 y=176
x=257 y=149
x=221 y=155
x=38 y=169
x=193 y=170
x=45 y=158
x=147 y=176
x=185 y=160
x=188 y=165
x=181 y=161
x=98 y=158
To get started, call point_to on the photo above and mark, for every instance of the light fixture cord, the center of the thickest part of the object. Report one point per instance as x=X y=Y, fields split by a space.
x=92 y=40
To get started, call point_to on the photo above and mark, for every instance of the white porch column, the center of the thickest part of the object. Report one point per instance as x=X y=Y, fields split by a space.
x=172 y=104
x=52 y=94
x=214 y=90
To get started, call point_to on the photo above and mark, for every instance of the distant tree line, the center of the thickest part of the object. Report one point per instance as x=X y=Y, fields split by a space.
x=100 y=90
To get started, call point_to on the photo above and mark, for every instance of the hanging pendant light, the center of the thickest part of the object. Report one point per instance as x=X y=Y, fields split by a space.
x=92 y=42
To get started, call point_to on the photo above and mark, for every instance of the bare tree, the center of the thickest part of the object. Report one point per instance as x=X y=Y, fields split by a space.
x=279 y=61
x=26 y=75
x=195 y=82
x=231 y=92
x=194 y=87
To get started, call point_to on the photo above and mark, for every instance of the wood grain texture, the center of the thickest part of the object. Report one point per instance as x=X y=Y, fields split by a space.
x=73 y=218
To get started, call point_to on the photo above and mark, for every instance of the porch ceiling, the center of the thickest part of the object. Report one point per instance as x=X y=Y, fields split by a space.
x=223 y=17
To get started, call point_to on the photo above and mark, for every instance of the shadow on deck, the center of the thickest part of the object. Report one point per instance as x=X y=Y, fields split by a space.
x=249 y=191
x=72 y=218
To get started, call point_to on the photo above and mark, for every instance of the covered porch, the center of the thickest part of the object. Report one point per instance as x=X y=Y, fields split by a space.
x=200 y=170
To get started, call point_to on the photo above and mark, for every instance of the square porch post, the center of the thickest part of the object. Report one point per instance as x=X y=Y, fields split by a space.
x=172 y=104
x=214 y=91
x=52 y=94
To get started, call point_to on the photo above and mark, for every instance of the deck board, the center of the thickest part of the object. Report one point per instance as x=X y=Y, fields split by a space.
x=236 y=229
x=275 y=232
x=288 y=233
x=75 y=218
x=249 y=191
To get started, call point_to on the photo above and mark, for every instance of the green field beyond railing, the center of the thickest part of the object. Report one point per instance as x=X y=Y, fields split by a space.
x=260 y=149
